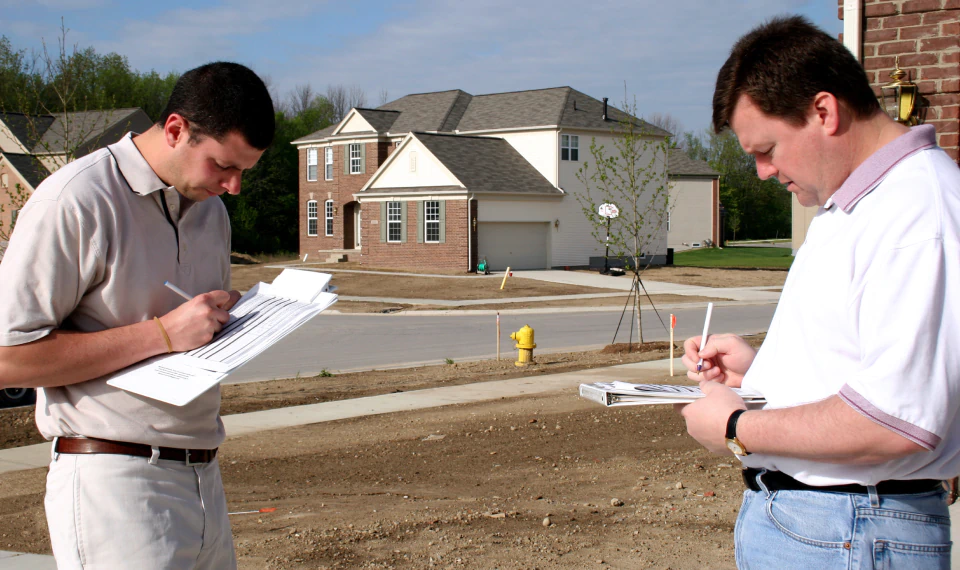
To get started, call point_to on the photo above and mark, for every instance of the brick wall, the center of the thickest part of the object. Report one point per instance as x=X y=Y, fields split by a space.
x=925 y=34
x=340 y=190
x=5 y=193
x=452 y=254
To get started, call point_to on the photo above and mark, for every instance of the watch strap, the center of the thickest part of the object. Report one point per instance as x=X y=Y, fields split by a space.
x=732 y=424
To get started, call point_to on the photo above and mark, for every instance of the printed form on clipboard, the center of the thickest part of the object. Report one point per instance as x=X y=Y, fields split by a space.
x=262 y=316
x=627 y=394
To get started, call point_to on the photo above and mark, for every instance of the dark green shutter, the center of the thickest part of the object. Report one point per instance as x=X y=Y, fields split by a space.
x=443 y=221
x=420 y=221
x=383 y=222
x=403 y=222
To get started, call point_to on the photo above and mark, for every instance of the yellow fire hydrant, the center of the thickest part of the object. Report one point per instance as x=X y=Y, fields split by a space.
x=525 y=344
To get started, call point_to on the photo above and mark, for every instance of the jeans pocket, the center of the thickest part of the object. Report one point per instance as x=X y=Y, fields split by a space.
x=890 y=555
x=803 y=519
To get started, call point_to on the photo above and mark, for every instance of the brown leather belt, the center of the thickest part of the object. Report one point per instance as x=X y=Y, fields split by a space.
x=84 y=445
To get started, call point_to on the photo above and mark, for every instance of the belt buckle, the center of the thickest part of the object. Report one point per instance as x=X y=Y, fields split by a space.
x=187 y=461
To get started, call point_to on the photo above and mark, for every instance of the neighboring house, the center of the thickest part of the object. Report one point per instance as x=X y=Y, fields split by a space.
x=925 y=35
x=32 y=147
x=442 y=179
x=694 y=218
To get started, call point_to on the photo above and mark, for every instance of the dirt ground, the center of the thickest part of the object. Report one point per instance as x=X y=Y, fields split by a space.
x=618 y=301
x=479 y=287
x=530 y=482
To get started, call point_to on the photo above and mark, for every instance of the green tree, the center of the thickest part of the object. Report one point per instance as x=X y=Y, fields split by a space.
x=633 y=176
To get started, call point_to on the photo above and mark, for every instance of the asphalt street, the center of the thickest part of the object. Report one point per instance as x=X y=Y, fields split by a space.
x=341 y=343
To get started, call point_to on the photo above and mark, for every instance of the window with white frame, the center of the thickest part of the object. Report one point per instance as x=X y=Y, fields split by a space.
x=312 y=218
x=4 y=181
x=328 y=163
x=311 y=165
x=431 y=221
x=570 y=147
x=328 y=217
x=356 y=159
x=394 y=222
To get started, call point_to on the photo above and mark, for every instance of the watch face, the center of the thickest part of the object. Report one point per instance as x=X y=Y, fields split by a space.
x=734 y=446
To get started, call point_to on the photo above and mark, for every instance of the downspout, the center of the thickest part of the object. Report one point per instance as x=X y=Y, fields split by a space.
x=853 y=27
x=470 y=234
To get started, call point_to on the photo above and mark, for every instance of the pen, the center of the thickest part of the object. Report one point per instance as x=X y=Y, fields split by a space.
x=703 y=337
x=181 y=292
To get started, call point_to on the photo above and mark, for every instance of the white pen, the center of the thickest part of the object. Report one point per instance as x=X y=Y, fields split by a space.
x=703 y=337
x=184 y=294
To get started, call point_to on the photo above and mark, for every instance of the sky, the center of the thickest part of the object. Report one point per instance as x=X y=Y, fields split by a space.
x=663 y=55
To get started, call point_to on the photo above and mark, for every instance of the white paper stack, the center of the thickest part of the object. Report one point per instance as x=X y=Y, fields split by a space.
x=263 y=316
x=627 y=394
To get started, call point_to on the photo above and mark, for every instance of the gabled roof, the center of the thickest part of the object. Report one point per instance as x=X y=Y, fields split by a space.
x=481 y=164
x=378 y=119
x=46 y=134
x=421 y=112
x=28 y=167
x=680 y=164
x=20 y=125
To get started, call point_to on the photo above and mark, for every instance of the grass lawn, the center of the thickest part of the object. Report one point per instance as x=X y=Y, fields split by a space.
x=746 y=257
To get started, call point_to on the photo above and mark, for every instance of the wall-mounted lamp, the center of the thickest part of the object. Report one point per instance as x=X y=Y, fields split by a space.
x=335 y=209
x=474 y=223
x=556 y=224
x=900 y=97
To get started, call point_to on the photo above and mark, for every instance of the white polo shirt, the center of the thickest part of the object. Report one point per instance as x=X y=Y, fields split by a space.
x=91 y=251
x=871 y=311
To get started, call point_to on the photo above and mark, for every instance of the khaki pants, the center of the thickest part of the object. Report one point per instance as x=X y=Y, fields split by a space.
x=118 y=511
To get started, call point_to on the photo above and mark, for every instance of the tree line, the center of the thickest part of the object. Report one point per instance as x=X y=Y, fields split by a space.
x=63 y=78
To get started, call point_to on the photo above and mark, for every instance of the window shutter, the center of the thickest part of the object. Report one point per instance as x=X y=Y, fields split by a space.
x=420 y=221
x=443 y=221
x=363 y=158
x=346 y=158
x=403 y=222
x=383 y=222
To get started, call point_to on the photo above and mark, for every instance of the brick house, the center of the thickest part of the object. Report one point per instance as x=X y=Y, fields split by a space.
x=32 y=147
x=441 y=179
x=925 y=35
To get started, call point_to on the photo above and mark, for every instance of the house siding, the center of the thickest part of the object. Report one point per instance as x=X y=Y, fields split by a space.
x=341 y=190
x=693 y=209
x=452 y=254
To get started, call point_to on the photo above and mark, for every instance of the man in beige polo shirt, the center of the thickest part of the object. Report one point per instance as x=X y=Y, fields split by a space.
x=133 y=482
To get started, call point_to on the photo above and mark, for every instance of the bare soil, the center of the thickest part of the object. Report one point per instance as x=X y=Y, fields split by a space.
x=715 y=277
x=530 y=482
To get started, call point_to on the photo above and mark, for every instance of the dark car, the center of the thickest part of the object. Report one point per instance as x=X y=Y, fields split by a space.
x=11 y=397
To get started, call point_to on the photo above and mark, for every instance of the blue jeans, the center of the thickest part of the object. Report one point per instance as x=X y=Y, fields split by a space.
x=811 y=529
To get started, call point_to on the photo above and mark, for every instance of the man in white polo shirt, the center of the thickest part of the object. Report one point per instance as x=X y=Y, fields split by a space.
x=133 y=483
x=860 y=366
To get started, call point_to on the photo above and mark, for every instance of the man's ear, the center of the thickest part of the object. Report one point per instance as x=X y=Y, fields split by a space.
x=825 y=110
x=176 y=130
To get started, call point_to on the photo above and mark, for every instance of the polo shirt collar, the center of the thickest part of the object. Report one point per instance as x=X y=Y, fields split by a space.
x=135 y=169
x=867 y=175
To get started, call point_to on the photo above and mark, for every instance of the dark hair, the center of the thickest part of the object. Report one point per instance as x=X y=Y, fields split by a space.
x=782 y=65
x=222 y=97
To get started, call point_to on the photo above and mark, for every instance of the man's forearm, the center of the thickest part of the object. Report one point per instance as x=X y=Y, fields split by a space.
x=65 y=357
x=828 y=431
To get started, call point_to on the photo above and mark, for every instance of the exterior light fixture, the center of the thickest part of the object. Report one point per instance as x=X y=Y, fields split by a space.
x=556 y=223
x=474 y=223
x=900 y=97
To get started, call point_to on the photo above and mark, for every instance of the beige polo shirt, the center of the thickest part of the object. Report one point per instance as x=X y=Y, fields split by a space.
x=91 y=251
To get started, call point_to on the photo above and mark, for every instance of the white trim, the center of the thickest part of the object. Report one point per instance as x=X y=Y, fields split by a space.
x=406 y=198
x=510 y=130
x=316 y=160
x=328 y=218
x=314 y=218
x=398 y=221
x=393 y=156
x=426 y=220
x=852 y=27
x=327 y=150
x=359 y=157
x=343 y=122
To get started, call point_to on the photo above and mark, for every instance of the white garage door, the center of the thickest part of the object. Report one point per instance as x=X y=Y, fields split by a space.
x=517 y=245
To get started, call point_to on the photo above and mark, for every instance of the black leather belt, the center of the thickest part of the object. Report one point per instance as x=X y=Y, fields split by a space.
x=777 y=481
x=84 y=445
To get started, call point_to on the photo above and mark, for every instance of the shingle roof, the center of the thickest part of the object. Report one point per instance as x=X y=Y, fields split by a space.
x=28 y=130
x=29 y=167
x=680 y=164
x=427 y=111
x=86 y=128
x=322 y=133
x=470 y=159
x=380 y=120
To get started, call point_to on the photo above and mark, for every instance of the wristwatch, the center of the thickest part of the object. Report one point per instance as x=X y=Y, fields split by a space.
x=733 y=444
